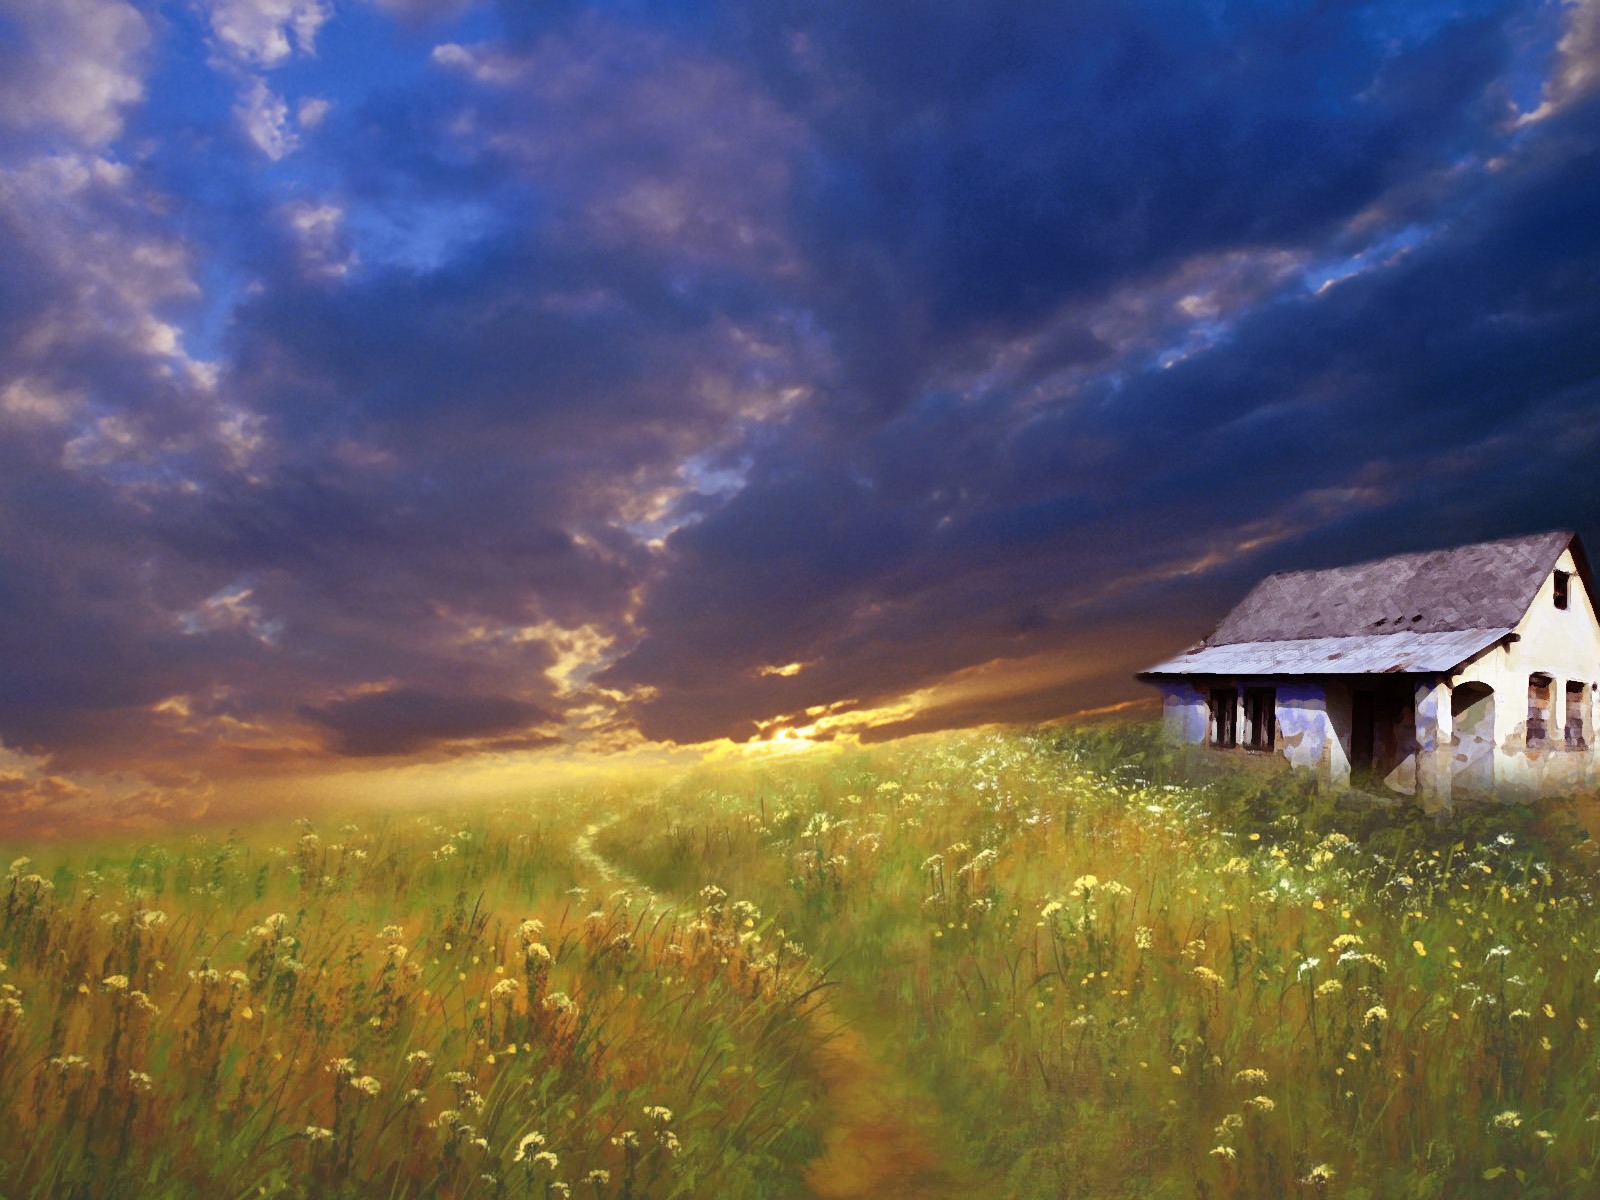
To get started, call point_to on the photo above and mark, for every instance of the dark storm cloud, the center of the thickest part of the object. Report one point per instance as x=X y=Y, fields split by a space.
x=759 y=363
x=406 y=720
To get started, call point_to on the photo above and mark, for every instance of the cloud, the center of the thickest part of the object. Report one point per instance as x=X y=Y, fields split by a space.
x=405 y=721
x=266 y=33
x=72 y=65
x=588 y=370
x=264 y=117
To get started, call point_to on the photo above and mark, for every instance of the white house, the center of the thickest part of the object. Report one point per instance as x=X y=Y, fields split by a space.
x=1454 y=673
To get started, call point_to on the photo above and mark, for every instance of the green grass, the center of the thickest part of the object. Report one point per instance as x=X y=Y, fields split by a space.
x=1117 y=986
x=1091 y=978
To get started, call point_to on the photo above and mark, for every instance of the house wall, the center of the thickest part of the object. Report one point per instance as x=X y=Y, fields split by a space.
x=1184 y=712
x=1308 y=715
x=1561 y=643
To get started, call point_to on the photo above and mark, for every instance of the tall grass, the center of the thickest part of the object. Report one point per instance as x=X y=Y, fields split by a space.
x=410 y=1009
x=1091 y=977
x=1114 y=985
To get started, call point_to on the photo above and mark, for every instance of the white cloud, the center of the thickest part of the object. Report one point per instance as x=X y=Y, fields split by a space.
x=319 y=228
x=484 y=66
x=264 y=116
x=265 y=33
x=311 y=111
x=1577 y=63
x=77 y=69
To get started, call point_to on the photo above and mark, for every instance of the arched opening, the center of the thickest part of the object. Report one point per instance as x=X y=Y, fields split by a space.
x=1472 y=764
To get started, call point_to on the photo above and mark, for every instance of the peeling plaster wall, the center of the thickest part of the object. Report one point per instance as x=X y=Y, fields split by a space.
x=1307 y=738
x=1183 y=712
x=1308 y=715
x=1561 y=643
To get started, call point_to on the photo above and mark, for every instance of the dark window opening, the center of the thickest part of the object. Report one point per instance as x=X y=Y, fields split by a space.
x=1577 y=735
x=1363 y=730
x=1562 y=578
x=1224 y=717
x=1260 y=704
x=1538 y=709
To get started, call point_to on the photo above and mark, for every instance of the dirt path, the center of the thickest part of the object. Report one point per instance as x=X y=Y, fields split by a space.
x=880 y=1139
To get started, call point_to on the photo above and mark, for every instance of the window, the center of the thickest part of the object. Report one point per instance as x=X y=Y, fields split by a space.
x=1224 y=717
x=1538 y=709
x=1260 y=705
x=1576 y=733
x=1562 y=579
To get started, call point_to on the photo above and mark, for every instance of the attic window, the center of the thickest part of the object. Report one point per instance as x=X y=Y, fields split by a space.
x=1561 y=588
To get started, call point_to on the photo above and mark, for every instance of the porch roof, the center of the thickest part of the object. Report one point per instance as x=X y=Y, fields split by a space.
x=1367 y=654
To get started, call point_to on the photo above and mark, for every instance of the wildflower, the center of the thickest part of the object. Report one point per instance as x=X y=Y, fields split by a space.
x=599 y=1177
x=1084 y=885
x=420 y=1058
x=668 y=1141
x=1262 y=1104
x=1510 y=1119
x=544 y=1158
x=1225 y=1153
x=115 y=983
x=341 y=1067
x=1144 y=937
x=1545 y=1136
x=1230 y=1123
x=143 y=1003
x=1251 y=1077
x=1320 y=1176
x=1497 y=952
x=1329 y=987
x=504 y=990
x=1307 y=966
x=1051 y=909
x=626 y=1140
x=529 y=1141
x=1344 y=941
x=657 y=1113
x=316 y=1133
x=1207 y=976
x=366 y=1084
x=1376 y=1015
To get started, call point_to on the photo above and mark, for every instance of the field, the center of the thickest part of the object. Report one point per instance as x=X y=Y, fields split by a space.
x=1027 y=965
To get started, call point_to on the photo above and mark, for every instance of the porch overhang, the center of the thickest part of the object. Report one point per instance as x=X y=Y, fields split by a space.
x=1376 y=654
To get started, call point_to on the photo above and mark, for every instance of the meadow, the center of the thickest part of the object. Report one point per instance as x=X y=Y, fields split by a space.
x=1020 y=965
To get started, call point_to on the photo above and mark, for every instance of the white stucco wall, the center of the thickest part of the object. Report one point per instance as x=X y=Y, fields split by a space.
x=1308 y=734
x=1184 y=713
x=1561 y=643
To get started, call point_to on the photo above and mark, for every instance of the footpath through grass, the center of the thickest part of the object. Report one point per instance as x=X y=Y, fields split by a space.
x=1019 y=966
x=1110 y=985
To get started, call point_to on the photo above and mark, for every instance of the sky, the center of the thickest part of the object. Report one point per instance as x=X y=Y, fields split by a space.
x=398 y=392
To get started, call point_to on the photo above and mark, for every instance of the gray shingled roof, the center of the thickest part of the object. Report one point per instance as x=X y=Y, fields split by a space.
x=1484 y=586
